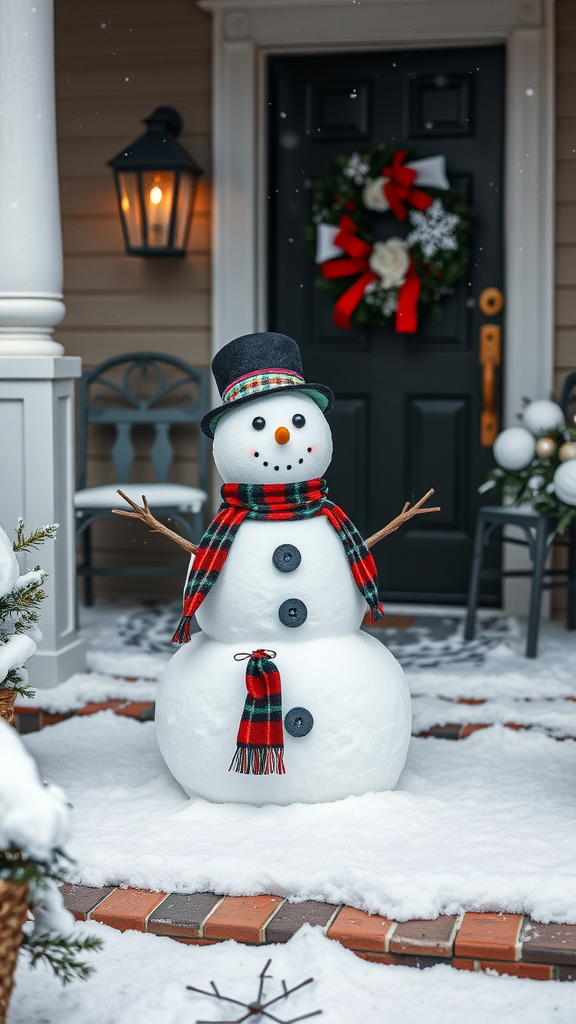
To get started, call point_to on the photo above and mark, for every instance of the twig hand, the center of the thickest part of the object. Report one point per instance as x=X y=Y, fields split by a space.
x=143 y=512
x=406 y=514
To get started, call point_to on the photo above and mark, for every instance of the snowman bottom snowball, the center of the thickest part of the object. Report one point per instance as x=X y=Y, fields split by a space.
x=353 y=688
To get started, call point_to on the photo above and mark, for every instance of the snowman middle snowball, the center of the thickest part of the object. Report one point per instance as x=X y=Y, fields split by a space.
x=286 y=587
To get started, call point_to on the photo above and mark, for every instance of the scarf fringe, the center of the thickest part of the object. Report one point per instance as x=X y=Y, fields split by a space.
x=182 y=634
x=249 y=760
x=376 y=612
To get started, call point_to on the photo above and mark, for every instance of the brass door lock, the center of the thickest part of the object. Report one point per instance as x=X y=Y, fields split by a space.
x=491 y=301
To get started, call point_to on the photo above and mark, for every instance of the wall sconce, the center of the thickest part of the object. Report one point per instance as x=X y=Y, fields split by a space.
x=156 y=183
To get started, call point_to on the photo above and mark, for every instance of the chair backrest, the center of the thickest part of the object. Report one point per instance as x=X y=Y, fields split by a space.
x=143 y=388
x=568 y=399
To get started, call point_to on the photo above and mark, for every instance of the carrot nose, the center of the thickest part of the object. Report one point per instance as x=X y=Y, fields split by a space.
x=282 y=435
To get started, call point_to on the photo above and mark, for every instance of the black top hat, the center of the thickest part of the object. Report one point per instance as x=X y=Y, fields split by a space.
x=254 y=365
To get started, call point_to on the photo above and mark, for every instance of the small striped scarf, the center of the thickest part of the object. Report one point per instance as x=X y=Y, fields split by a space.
x=273 y=503
x=260 y=742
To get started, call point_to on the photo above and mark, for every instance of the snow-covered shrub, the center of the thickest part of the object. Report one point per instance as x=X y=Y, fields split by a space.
x=33 y=830
x=20 y=600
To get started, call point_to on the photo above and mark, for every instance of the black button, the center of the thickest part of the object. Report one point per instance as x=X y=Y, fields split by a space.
x=286 y=558
x=298 y=722
x=292 y=612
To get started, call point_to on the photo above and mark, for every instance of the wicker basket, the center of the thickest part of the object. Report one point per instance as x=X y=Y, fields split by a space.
x=13 y=910
x=7 y=702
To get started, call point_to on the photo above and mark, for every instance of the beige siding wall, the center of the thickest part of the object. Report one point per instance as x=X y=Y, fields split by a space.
x=116 y=60
x=566 y=190
x=565 y=317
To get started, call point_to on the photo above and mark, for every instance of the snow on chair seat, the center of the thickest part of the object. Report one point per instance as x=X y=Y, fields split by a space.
x=186 y=499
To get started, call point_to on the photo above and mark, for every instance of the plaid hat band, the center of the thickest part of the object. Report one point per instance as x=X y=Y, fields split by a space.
x=260 y=383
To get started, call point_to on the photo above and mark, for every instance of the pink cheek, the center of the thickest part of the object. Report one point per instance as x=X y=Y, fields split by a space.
x=252 y=452
x=311 y=450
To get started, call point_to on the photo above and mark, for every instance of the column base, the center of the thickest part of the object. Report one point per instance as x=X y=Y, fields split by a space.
x=29 y=345
x=48 y=668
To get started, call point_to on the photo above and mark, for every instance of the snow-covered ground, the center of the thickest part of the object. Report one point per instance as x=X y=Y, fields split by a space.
x=141 y=979
x=486 y=823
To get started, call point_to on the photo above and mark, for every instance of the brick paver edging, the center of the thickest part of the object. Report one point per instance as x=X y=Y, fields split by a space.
x=505 y=943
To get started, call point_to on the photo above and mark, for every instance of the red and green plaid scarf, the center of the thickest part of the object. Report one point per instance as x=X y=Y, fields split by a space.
x=260 y=742
x=273 y=503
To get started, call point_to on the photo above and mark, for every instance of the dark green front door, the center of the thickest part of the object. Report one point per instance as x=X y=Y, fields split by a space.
x=407 y=414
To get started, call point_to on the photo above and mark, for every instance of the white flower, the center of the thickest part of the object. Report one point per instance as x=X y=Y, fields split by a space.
x=433 y=229
x=373 y=195
x=390 y=260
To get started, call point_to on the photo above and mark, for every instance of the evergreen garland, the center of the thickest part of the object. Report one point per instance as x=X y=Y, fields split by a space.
x=339 y=192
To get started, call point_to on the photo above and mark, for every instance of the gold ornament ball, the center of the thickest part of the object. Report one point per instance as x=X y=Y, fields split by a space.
x=567 y=451
x=545 y=448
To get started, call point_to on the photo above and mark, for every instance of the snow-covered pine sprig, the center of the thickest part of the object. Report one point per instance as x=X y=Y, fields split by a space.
x=34 y=539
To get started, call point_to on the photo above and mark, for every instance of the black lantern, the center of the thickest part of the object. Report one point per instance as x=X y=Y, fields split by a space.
x=156 y=183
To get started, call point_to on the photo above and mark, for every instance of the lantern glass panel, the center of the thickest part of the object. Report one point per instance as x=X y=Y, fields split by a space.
x=131 y=208
x=184 y=203
x=158 y=191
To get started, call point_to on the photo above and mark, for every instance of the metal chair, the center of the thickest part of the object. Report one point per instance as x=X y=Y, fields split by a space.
x=171 y=393
x=540 y=533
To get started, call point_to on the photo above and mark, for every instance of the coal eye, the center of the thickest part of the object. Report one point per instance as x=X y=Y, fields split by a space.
x=258 y=423
x=298 y=420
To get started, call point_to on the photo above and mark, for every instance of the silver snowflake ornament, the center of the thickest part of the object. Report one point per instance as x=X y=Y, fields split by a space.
x=433 y=229
x=356 y=168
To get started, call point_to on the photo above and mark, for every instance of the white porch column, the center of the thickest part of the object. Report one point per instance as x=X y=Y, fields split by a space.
x=36 y=380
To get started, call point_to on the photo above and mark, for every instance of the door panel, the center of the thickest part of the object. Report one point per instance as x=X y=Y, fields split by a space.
x=407 y=411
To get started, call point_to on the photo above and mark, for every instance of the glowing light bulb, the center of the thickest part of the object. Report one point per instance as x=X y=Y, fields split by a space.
x=125 y=204
x=155 y=195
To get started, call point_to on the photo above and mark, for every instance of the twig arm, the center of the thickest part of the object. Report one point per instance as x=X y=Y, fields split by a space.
x=146 y=516
x=406 y=514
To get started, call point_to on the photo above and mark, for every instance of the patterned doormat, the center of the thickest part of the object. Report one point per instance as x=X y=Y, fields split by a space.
x=421 y=641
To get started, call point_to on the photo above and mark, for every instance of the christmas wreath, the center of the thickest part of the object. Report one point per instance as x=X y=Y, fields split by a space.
x=371 y=280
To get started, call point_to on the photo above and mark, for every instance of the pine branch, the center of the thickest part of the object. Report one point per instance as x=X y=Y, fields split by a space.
x=60 y=953
x=19 y=869
x=22 y=604
x=34 y=539
x=14 y=681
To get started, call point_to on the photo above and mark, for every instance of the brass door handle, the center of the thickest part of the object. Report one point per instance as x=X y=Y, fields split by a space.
x=490 y=350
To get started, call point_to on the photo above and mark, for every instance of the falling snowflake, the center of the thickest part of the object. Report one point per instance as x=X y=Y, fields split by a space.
x=433 y=229
x=356 y=168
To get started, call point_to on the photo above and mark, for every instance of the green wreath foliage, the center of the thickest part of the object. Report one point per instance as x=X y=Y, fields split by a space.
x=339 y=192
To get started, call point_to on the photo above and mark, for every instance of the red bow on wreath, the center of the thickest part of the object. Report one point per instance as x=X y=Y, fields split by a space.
x=357 y=263
x=358 y=253
x=398 y=189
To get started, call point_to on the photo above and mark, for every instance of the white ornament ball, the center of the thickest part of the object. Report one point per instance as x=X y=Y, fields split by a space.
x=565 y=482
x=567 y=451
x=514 y=448
x=542 y=416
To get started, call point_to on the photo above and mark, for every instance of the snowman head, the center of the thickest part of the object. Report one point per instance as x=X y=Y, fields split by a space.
x=280 y=438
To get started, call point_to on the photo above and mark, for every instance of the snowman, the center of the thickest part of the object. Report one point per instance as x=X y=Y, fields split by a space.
x=280 y=698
